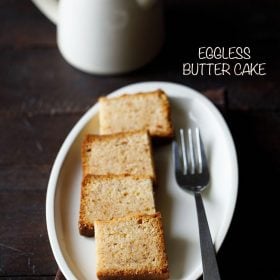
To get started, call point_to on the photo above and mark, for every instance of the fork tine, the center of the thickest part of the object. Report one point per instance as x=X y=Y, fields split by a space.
x=202 y=156
x=183 y=152
x=198 y=151
x=191 y=152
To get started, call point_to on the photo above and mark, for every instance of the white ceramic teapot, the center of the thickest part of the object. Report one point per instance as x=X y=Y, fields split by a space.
x=106 y=36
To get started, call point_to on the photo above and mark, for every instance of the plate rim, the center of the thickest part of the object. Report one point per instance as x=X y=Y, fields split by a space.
x=73 y=134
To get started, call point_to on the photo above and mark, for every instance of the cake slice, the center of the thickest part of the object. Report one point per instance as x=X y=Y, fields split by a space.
x=120 y=153
x=104 y=197
x=131 y=248
x=149 y=110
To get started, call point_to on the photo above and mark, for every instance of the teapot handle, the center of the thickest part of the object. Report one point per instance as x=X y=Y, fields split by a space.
x=49 y=8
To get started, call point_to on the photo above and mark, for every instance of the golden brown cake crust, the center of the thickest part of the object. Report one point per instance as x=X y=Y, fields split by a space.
x=143 y=275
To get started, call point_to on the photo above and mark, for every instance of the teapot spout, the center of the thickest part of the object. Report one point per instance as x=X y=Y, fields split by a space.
x=145 y=4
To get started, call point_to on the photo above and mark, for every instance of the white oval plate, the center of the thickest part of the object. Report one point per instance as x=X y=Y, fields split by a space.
x=75 y=254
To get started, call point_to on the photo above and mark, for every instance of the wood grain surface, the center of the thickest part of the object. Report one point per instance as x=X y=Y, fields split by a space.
x=42 y=97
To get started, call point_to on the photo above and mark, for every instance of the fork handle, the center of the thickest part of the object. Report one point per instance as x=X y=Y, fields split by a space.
x=208 y=254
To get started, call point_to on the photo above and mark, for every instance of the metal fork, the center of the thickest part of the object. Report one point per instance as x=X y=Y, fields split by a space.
x=192 y=175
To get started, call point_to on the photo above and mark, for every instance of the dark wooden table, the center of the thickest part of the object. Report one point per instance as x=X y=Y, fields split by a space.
x=41 y=98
